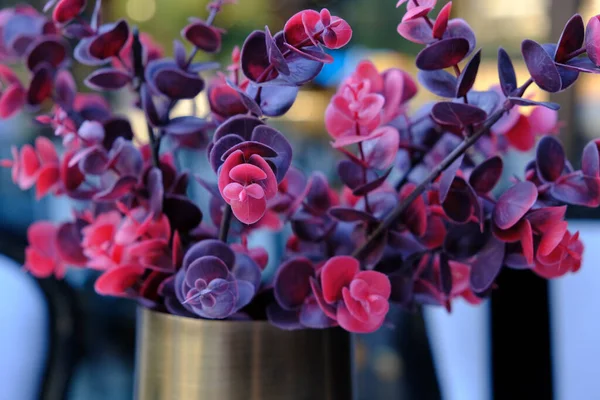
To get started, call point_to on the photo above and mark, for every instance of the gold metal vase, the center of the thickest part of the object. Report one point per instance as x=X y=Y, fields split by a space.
x=181 y=358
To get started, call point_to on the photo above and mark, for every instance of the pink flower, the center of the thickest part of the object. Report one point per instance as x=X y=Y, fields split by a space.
x=565 y=257
x=41 y=256
x=358 y=300
x=99 y=241
x=37 y=165
x=12 y=93
x=246 y=184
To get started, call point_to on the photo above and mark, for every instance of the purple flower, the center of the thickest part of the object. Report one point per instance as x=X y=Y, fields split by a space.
x=213 y=282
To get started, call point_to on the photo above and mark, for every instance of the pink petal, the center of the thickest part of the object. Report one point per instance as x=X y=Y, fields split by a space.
x=270 y=183
x=354 y=306
x=370 y=107
x=337 y=122
x=336 y=274
x=232 y=191
x=378 y=305
x=255 y=191
x=234 y=159
x=41 y=236
x=367 y=71
x=48 y=179
x=527 y=241
x=343 y=34
x=46 y=150
x=30 y=164
x=38 y=264
x=552 y=237
x=543 y=120
x=116 y=281
x=380 y=153
x=377 y=282
x=12 y=100
x=521 y=136
x=250 y=210
x=359 y=289
x=351 y=324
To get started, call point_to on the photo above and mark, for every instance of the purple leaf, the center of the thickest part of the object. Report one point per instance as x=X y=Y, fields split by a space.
x=457 y=205
x=41 y=85
x=242 y=125
x=186 y=126
x=108 y=79
x=275 y=140
x=182 y=213
x=274 y=100
x=311 y=315
x=302 y=70
x=590 y=161
x=203 y=36
x=577 y=190
x=592 y=39
x=464 y=241
x=120 y=188
x=445 y=274
x=312 y=53
x=580 y=65
x=254 y=57
x=274 y=54
x=149 y=107
x=520 y=101
x=550 y=159
x=179 y=54
x=283 y=319
x=156 y=190
x=417 y=31
x=442 y=54
x=220 y=147
x=506 y=72
x=487 y=265
x=541 y=66
x=459 y=28
x=345 y=214
x=448 y=176
x=571 y=39
x=65 y=89
x=368 y=187
x=249 y=148
x=49 y=49
x=177 y=84
x=486 y=175
x=439 y=82
x=457 y=114
x=115 y=128
x=68 y=243
x=468 y=75
x=110 y=43
x=248 y=101
x=514 y=203
x=292 y=283
x=488 y=101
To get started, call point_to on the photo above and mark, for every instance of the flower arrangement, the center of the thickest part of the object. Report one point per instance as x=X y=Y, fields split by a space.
x=438 y=232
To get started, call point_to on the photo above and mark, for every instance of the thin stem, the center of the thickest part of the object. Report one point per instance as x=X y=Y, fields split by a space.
x=138 y=70
x=420 y=189
x=576 y=53
x=225 y=223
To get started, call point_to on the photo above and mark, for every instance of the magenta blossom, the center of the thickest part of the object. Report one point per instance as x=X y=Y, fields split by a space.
x=358 y=300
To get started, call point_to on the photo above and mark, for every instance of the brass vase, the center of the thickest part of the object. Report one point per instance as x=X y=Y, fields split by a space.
x=191 y=359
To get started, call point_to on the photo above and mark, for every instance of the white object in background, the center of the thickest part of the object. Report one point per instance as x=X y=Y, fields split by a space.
x=574 y=304
x=23 y=333
x=461 y=350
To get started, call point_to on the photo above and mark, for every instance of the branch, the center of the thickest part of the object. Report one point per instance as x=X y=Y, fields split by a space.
x=419 y=190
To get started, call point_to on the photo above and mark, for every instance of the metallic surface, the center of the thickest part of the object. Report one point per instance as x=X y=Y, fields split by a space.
x=190 y=359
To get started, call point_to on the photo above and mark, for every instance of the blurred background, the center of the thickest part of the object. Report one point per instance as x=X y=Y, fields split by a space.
x=531 y=340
